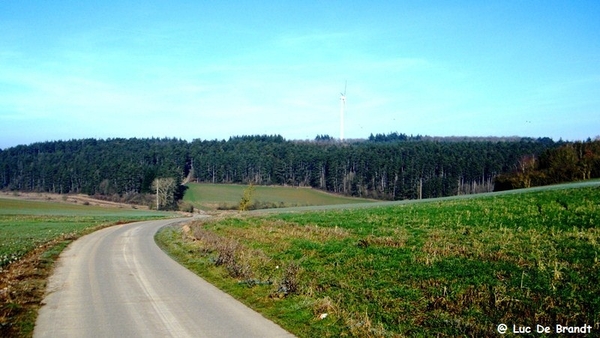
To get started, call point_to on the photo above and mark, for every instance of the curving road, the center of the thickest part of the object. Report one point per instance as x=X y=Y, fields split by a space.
x=116 y=282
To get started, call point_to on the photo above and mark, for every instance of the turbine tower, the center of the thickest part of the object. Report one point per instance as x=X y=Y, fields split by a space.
x=342 y=108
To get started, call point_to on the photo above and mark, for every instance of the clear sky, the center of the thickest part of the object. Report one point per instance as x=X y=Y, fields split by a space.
x=213 y=69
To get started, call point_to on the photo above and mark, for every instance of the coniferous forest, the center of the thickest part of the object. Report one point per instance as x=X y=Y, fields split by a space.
x=393 y=166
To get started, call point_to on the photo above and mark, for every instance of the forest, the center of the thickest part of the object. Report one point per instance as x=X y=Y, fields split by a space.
x=393 y=166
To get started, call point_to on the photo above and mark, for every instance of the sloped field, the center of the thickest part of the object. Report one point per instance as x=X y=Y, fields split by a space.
x=457 y=267
x=227 y=196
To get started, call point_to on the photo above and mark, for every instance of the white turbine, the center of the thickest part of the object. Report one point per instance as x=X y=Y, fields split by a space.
x=342 y=108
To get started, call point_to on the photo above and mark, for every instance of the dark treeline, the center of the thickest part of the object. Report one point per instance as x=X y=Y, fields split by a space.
x=393 y=166
x=395 y=137
x=389 y=170
x=567 y=163
x=105 y=167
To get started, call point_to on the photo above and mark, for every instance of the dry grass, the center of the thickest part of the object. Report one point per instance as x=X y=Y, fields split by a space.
x=22 y=287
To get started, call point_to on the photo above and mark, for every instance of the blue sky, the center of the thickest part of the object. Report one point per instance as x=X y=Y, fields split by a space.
x=212 y=69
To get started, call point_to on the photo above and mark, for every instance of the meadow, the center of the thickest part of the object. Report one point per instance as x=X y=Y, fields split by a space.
x=456 y=267
x=32 y=235
x=206 y=196
x=24 y=225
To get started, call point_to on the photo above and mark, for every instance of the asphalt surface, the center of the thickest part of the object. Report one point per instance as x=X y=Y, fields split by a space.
x=117 y=282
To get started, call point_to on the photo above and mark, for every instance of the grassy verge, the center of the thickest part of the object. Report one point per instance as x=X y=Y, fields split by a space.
x=445 y=268
x=32 y=235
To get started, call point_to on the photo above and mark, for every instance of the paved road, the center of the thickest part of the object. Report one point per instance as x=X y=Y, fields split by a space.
x=116 y=282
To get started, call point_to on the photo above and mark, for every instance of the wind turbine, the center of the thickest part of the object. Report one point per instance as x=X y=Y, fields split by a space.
x=342 y=108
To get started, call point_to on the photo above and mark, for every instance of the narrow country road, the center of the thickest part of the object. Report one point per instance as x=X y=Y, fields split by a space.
x=117 y=282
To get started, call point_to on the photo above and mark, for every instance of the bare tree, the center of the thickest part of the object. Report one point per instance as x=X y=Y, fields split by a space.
x=165 y=191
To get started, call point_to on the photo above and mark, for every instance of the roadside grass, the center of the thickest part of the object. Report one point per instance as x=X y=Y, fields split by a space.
x=206 y=196
x=32 y=235
x=443 y=268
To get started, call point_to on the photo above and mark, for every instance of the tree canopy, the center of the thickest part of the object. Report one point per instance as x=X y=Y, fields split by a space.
x=394 y=166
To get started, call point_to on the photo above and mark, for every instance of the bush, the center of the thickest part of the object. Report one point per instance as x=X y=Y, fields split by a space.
x=186 y=207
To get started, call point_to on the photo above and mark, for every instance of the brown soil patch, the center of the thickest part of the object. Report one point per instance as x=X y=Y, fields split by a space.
x=22 y=288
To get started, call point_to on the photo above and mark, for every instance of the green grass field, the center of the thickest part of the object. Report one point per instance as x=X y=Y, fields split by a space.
x=206 y=196
x=454 y=267
x=24 y=225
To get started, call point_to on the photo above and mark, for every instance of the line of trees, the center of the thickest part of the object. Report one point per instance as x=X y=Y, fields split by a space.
x=123 y=169
x=567 y=163
x=387 y=169
x=393 y=166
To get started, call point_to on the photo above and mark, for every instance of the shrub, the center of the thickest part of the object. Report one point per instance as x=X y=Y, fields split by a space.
x=186 y=207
